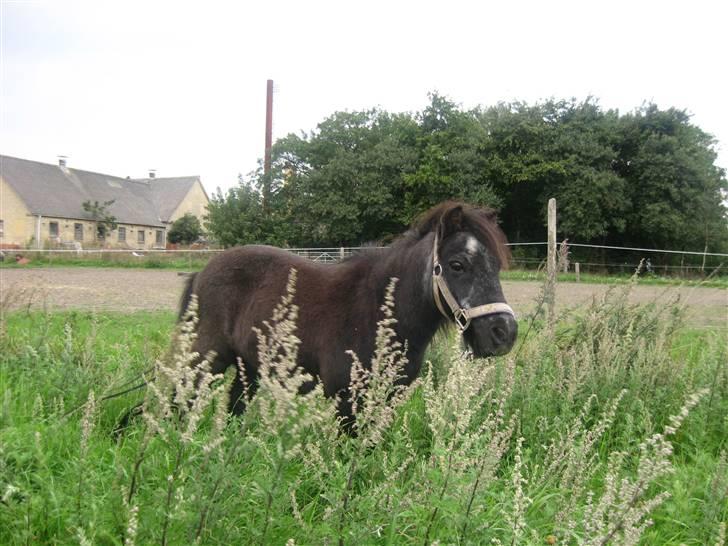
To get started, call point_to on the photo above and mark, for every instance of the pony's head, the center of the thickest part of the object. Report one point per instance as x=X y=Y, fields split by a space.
x=468 y=252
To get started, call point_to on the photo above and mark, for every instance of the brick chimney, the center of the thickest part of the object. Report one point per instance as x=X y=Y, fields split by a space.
x=62 y=160
x=152 y=173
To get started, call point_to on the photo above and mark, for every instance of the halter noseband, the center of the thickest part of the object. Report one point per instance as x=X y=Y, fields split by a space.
x=461 y=315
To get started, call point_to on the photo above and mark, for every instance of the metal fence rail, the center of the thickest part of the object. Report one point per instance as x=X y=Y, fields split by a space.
x=656 y=250
x=336 y=254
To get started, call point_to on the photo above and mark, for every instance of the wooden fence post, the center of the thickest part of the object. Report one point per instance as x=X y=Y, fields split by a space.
x=578 y=273
x=551 y=262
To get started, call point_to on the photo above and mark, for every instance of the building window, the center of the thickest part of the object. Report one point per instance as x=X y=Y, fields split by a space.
x=122 y=234
x=2 y=228
x=160 y=237
x=140 y=236
x=78 y=232
x=53 y=229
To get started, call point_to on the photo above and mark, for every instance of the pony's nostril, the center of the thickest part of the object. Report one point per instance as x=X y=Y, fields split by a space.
x=499 y=334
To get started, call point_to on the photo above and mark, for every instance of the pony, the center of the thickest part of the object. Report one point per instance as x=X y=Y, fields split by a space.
x=447 y=265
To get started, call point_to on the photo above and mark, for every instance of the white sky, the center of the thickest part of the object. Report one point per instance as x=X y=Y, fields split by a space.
x=122 y=87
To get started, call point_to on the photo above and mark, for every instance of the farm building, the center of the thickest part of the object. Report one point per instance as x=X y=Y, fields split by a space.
x=41 y=206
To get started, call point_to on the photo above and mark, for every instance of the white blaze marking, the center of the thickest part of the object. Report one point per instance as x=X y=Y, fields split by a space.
x=472 y=245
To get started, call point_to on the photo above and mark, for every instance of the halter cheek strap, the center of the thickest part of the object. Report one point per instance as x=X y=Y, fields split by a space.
x=461 y=315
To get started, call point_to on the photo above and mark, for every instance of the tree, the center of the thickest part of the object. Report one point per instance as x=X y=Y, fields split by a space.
x=562 y=149
x=343 y=183
x=647 y=178
x=675 y=188
x=236 y=217
x=105 y=221
x=450 y=164
x=186 y=230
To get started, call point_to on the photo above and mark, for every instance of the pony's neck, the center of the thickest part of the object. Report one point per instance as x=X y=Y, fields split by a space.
x=417 y=316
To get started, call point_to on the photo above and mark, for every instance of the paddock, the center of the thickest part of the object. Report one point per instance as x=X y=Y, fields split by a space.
x=129 y=290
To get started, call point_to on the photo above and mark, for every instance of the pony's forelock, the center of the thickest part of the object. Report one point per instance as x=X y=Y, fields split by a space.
x=480 y=221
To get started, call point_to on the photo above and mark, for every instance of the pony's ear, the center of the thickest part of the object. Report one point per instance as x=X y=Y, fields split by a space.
x=490 y=214
x=452 y=221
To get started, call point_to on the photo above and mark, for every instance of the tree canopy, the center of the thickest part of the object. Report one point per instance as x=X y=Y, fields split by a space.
x=645 y=178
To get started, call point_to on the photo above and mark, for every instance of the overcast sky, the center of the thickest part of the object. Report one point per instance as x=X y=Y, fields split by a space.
x=122 y=87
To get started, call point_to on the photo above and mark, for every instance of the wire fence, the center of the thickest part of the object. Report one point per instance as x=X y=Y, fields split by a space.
x=528 y=255
x=611 y=259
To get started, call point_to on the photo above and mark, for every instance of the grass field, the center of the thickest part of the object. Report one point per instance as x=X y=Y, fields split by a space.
x=609 y=428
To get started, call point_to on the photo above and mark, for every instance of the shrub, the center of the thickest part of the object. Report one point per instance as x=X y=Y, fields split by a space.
x=185 y=230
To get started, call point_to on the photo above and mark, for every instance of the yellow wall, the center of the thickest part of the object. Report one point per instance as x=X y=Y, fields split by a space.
x=66 y=229
x=150 y=237
x=18 y=224
x=194 y=202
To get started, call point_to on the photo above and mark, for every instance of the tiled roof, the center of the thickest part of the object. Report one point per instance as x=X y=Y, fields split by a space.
x=51 y=190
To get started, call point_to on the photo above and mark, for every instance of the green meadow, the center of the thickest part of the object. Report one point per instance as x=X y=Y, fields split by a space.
x=607 y=427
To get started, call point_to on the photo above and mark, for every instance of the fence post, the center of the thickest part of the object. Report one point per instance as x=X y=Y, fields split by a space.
x=551 y=262
x=578 y=273
x=341 y=253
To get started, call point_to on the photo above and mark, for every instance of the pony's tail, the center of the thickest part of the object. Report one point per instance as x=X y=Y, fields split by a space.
x=186 y=295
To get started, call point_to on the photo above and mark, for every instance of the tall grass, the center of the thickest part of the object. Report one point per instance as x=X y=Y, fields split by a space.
x=609 y=428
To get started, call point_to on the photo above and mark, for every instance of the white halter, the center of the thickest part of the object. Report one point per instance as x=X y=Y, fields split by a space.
x=461 y=315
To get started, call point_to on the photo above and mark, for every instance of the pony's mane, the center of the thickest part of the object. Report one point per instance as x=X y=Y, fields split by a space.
x=480 y=221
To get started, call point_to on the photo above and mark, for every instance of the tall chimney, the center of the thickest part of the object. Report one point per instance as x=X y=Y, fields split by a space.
x=152 y=173
x=268 y=126
x=62 y=160
x=268 y=143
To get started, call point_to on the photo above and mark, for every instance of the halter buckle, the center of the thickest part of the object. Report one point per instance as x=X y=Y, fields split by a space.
x=436 y=269
x=462 y=321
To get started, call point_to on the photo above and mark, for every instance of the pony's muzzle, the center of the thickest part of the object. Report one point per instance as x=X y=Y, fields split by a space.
x=503 y=332
x=492 y=335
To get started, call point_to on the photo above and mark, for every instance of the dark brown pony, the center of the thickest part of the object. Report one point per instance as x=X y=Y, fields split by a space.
x=339 y=305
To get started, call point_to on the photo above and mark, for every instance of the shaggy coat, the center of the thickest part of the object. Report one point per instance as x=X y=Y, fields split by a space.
x=339 y=304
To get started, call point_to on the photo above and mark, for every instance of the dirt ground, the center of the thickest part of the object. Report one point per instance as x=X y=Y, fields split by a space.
x=129 y=290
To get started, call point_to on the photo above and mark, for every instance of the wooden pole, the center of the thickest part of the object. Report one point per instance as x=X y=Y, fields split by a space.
x=268 y=126
x=268 y=144
x=551 y=262
x=578 y=273
x=552 y=236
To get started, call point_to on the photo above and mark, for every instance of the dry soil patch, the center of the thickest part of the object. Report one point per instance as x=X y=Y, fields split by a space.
x=128 y=290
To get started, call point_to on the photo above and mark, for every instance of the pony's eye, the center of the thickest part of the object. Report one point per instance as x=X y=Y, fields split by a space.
x=456 y=266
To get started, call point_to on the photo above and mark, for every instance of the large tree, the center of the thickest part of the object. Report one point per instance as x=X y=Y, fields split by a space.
x=647 y=178
x=235 y=218
x=343 y=183
x=675 y=188
x=451 y=163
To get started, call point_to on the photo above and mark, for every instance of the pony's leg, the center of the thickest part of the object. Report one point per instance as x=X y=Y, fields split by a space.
x=225 y=357
x=243 y=388
x=344 y=410
x=126 y=420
